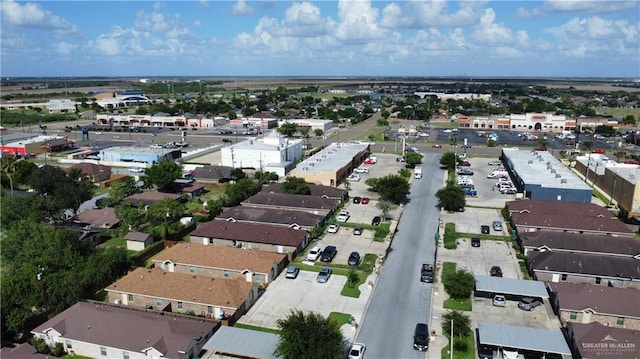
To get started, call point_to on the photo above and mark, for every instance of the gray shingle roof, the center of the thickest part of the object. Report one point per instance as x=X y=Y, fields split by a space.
x=580 y=242
x=519 y=337
x=587 y=264
x=523 y=287
x=291 y=201
x=598 y=298
x=271 y=215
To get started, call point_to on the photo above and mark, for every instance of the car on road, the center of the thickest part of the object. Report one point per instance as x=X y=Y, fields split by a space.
x=116 y=137
x=421 y=337
x=357 y=200
x=292 y=272
x=136 y=170
x=484 y=229
x=324 y=275
x=465 y=146
x=376 y=221
x=497 y=225
x=494 y=163
x=354 y=259
x=357 y=351
x=357 y=231
x=475 y=242
x=328 y=254
x=226 y=140
x=314 y=253
x=495 y=271
x=365 y=200
x=437 y=145
x=333 y=228
x=499 y=300
x=528 y=303
x=343 y=216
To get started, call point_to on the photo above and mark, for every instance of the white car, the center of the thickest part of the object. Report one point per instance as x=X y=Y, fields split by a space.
x=136 y=170
x=494 y=163
x=353 y=178
x=314 y=253
x=333 y=228
x=98 y=133
x=357 y=351
x=343 y=216
x=422 y=134
x=509 y=353
x=361 y=170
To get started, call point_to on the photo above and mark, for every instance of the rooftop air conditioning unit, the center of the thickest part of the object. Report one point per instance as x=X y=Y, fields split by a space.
x=558 y=175
x=530 y=162
x=553 y=170
x=564 y=180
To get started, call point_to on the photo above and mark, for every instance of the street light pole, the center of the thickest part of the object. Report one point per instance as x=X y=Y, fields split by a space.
x=451 y=340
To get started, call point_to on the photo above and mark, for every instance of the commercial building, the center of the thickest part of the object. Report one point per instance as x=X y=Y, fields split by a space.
x=123 y=156
x=273 y=153
x=36 y=145
x=159 y=119
x=540 y=122
x=314 y=124
x=541 y=176
x=333 y=164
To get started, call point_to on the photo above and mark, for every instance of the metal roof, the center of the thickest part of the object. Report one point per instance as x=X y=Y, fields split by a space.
x=244 y=342
x=543 y=169
x=518 y=337
x=529 y=288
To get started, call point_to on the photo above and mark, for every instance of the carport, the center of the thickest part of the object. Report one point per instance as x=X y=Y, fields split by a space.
x=515 y=288
x=548 y=341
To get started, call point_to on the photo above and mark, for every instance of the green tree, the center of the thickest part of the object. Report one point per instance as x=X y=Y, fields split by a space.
x=122 y=188
x=461 y=324
x=237 y=174
x=295 y=185
x=288 y=129
x=234 y=193
x=448 y=160
x=318 y=132
x=9 y=164
x=459 y=284
x=353 y=277
x=308 y=336
x=393 y=188
x=451 y=197
x=385 y=207
x=162 y=174
x=412 y=158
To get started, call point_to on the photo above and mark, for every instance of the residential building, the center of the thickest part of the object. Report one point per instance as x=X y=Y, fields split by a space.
x=541 y=176
x=277 y=217
x=212 y=174
x=98 y=218
x=596 y=341
x=251 y=236
x=273 y=153
x=295 y=202
x=584 y=268
x=94 y=172
x=96 y=330
x=537 y=215
x=332 y=165
x=149 y=198
x=315 y=190
x=614 y=246
x=185 y=293
x=585 y=303
x=138 y=241
x=251 y=265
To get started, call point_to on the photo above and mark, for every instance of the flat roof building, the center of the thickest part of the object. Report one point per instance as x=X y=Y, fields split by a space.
x=333 y=164
x=542 y=176
x=273 y=153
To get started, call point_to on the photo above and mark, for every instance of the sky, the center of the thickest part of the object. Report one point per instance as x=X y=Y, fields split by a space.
x=344 y=38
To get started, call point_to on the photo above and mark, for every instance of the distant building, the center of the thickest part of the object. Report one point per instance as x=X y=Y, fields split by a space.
x=61 y=106
x=333 y=164
x=273 y=153
x=314 y=124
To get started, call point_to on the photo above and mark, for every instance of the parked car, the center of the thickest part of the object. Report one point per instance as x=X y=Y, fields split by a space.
x=357 y=200
x=314 y=253
x=437 y=145
x=324 y=275
x=357 y=231
x=136 y=170
x=508 y=353
x=485 y=352
x=399 y=159
x=343 y=216
x=376 y=221
x=361 y=170
x=354 y=259
x=494 y=163
x=333 y=228
x=499 y=300
x=365 y=200
x=497 y=225
x=292 y=272
x=508 y=190
x=421 y=337
x=495 y=271
x=465 y=171
x=528 y=303
x=475 y=242
x=353 y=178
x=484 y=229
x=357 y=351
x=328 y=253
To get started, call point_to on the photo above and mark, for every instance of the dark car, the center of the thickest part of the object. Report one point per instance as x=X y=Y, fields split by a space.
x=528 y=303
x=357 y=231
x=328 y=253
x=226 y=140
x=376 y=221
x=485 y=352
x=354 y=259
x=421 y=337
x=475 y=242
x=357 y=200
x=495 y=271
x=484 y=229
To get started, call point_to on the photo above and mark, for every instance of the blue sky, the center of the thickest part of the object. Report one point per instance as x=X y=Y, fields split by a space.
x=475 y=38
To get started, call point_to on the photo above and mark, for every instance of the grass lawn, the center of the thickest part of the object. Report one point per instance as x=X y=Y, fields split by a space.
x=115 y=242
x=470 y=353
x=381 y=231
x=619 y=112
x=450 y=236
x=339 y=318
x=364 y=269
x=456 y=304
x=256 y=328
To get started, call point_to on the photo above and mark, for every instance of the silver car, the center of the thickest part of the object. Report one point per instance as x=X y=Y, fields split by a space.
x=324 y=275
x=497 y=226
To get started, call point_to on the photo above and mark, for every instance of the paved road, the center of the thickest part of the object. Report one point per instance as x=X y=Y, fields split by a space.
x=400 y=300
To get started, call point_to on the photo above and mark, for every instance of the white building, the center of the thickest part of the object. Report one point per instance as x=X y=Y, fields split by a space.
x=273 y=153
x=538 y=122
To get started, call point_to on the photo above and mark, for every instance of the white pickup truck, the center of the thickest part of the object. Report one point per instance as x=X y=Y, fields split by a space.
x=417 y=173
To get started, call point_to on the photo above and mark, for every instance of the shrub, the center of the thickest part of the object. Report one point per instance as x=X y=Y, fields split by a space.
x=58 y=350
x=41 y=346
x=460 y=345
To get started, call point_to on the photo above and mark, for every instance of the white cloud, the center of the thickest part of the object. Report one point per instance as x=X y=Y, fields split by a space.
x=31 y=15
x=65 y=48
x=418 y=14
x=357 y=22
x=241 y=8
x=151 y=22
x=507 y=52
x=580 y=6
x=595 y=28
x=489 y=32
x=107 y=45
x=303 y=14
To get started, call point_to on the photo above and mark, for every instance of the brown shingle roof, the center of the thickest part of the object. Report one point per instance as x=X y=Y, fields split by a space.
x=271 y=215
x=103 y=217
x=579 y=242
x=137 y=236
x=150 y=197
x=92 y=169
x=156 y=283
x=316 y=190
x=588 y=264
x=579 y=297
x=560 y=215
x=220 y=257
x=595 y=340
x=213 y=172
x=291 y=200
x=250 y=232
x=103 y=325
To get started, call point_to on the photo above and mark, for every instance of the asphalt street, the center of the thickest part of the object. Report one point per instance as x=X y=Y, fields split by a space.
x=400 y=300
